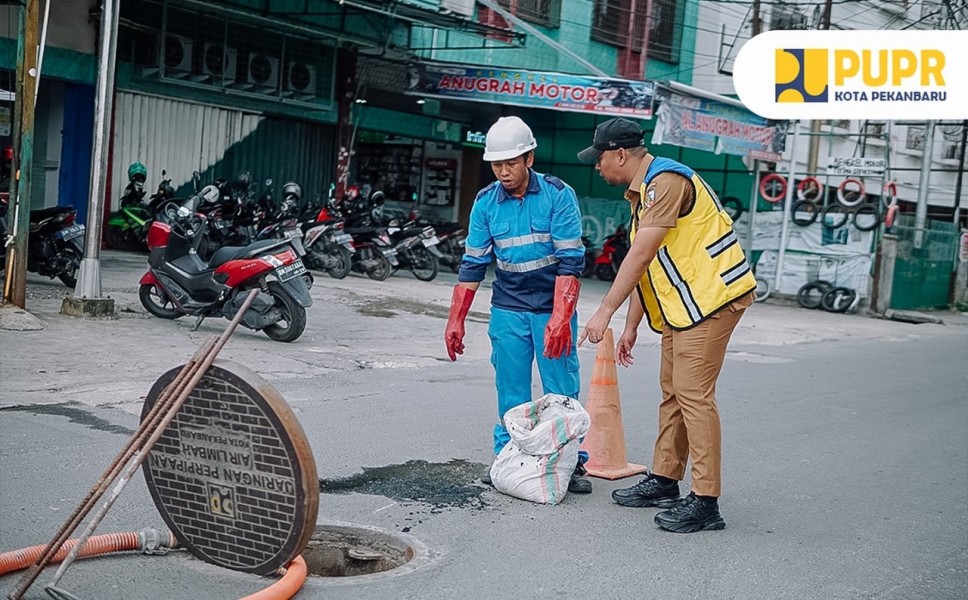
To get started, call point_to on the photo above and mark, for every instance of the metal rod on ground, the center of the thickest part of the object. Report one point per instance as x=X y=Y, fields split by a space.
x=154 y=423
x=112 y=471
x=156 y=434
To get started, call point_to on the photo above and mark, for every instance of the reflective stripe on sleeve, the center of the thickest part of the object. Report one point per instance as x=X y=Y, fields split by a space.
x=471 y=251
x=568 y=244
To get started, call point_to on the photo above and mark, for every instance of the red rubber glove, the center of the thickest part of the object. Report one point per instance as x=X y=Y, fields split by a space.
x=460 y=305
x=557 y=339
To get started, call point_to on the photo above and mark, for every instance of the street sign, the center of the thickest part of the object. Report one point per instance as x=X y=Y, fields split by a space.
x=233 y=475
x=856 y=167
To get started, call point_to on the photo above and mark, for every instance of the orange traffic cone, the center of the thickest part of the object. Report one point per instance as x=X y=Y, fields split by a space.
x=605 y=441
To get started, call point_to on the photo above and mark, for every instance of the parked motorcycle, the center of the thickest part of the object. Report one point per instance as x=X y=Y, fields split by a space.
x=54 y=245
x=363 y=220
x=178 y=282
x=614 y=249
x=127 y=227
x=416 y=249
x=328 y=247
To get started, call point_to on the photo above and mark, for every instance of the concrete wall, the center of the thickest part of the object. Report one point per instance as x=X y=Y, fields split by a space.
x=70 y=25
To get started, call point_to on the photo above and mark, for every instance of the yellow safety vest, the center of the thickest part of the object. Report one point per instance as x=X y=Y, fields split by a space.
x=699 y=267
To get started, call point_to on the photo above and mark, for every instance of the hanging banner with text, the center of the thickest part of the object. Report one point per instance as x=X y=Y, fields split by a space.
x=533 y=89
x=704 y=124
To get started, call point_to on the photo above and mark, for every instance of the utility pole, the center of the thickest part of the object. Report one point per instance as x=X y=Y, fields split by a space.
x=15 y=285
x=757 y=26
x=921 y=210
x=88 y=289
x=961 y=171
x=813 y=150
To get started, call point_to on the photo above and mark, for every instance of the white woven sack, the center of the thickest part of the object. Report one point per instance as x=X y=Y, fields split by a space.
x=537 y=463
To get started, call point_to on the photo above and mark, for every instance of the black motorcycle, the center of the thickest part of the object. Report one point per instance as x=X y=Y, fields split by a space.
x=416 y=249
x=55 y=245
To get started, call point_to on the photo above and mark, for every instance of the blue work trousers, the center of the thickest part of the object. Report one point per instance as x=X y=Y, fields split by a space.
x=517 y=339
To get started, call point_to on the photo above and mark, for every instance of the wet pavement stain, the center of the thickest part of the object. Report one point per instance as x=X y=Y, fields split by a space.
x=391 y=307
x=76 y=415
x=441 y=485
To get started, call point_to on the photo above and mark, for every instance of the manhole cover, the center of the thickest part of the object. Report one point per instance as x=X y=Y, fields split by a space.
x=233 y=475
x=348 y=551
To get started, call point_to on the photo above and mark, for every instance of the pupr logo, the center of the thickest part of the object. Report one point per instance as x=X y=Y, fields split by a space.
x=854 y=74
x=801 y=75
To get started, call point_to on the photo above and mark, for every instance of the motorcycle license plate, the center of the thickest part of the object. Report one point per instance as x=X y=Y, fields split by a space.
x=431 y=241
x=344 y=238
x=70 y=233
x=291 y=270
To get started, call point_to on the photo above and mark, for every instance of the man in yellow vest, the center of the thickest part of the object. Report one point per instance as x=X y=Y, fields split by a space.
x=692 y=283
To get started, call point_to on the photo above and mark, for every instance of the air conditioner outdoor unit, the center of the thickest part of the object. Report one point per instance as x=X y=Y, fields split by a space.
x=263 y=71
x=219 y=63
x=177 y=56
x=301 y=79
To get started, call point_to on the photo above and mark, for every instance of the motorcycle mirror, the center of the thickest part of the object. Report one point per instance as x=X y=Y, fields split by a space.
x=268 y=182
x=163 y=173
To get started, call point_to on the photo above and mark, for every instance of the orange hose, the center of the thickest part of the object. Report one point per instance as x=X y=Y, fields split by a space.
x=288 y=586
x=15 y=560
x=98 y=544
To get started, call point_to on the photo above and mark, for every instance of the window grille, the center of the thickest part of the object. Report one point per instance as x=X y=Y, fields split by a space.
x=610 y=22
x=874 y=128
x=539 y=12
x=915 y=138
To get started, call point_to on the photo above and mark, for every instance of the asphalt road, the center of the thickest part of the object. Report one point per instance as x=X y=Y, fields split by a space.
x=845 y=452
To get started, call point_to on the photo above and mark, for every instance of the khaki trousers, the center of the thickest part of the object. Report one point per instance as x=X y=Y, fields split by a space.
x=688 y=417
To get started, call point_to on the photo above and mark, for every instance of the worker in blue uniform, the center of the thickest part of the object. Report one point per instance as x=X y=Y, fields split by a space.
x=530 y=225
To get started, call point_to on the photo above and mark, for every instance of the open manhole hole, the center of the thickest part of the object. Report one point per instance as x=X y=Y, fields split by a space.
x=347 y=551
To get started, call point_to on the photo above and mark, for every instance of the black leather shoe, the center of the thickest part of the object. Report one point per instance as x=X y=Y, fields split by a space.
x=579 y=484
x=691 y=515
x=648 y=492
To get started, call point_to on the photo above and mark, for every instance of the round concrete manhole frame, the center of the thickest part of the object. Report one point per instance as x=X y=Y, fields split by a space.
x=357 y=545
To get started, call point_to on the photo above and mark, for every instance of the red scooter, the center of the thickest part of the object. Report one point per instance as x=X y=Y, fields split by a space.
x=178 y=282
x=614 y=249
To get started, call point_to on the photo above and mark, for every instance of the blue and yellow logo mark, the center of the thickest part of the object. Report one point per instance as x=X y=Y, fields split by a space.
x=801 y=75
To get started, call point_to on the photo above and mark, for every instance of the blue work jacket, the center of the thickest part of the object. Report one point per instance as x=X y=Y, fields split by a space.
x=533 y=240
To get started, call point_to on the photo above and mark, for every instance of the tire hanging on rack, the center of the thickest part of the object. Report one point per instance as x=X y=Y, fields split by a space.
x=770 y=185
x=851 y=198
x=807 y=186
x=804 y=212
x=865 y=217
x=891 y=216
x=834 y=216
x=811 y=293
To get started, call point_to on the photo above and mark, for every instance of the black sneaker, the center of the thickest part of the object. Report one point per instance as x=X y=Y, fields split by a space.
x=486 y=477
x=648 y=492
x=691 y=515
x=579 y=484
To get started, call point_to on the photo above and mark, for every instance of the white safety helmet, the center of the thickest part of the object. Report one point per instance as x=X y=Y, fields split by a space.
x=508 y=138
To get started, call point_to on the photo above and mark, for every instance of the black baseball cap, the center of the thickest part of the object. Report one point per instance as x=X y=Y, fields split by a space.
x=612 y=135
